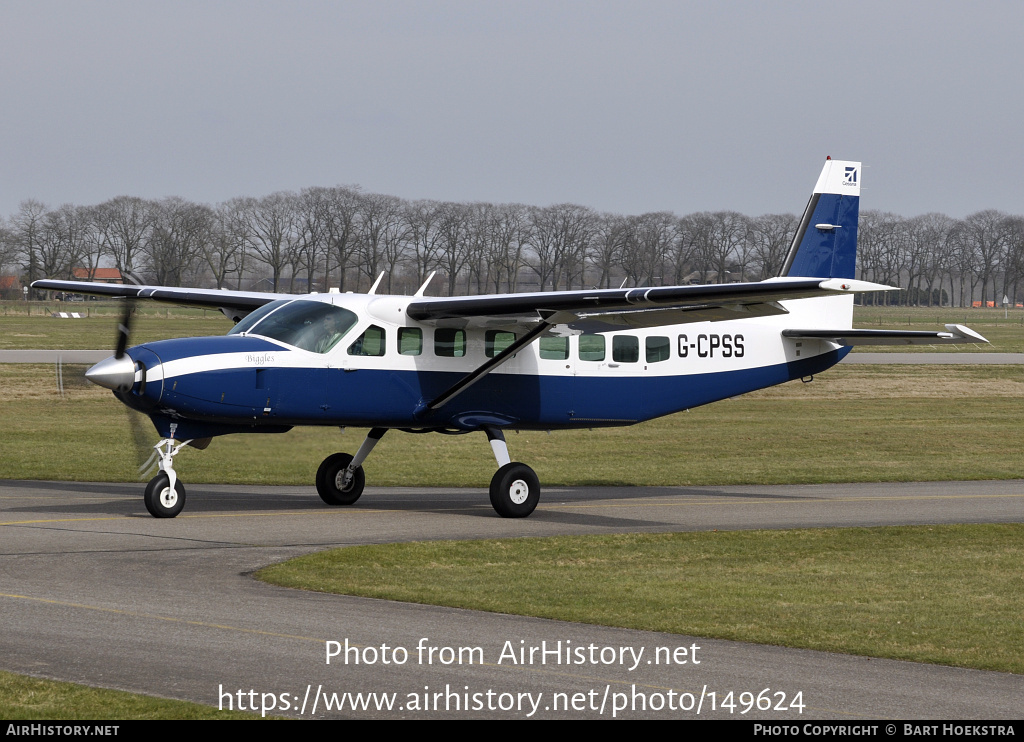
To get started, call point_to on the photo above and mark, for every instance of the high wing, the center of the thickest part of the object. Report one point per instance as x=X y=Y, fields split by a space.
x=598 y=310
x=235 y=304
x=610 y=309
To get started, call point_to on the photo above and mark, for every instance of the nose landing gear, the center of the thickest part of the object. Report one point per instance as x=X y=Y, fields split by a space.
x=165 y=495
x=162 y=500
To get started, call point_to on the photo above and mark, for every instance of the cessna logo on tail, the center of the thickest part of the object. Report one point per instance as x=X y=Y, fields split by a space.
x=850 y=178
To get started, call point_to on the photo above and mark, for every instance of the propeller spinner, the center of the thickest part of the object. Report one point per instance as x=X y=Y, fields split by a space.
x=118 y=371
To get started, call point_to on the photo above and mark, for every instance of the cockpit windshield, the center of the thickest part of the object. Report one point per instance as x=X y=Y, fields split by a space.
x=310 y=325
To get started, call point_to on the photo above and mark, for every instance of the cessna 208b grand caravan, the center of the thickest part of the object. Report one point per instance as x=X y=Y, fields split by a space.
x=570 y=359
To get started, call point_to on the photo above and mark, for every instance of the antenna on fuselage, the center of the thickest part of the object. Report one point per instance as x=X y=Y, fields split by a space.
x=421 y=289
x=373 y=289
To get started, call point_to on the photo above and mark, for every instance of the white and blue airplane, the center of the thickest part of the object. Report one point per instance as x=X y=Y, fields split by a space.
x=558 y=360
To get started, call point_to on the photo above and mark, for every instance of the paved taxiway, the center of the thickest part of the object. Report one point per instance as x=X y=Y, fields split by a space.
x=93 y=590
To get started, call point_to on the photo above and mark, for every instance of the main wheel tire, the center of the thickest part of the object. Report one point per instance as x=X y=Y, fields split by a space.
x=161 y=501
x=329 y=477
x=515 y=490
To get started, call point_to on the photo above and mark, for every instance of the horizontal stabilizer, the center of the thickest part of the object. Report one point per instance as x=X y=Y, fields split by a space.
x=954 y=334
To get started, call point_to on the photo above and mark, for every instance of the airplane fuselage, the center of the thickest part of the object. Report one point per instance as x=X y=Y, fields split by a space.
x=386 y=367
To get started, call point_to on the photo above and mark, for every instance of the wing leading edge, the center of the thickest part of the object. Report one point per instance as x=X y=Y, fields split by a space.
x=598 y=310
x=242 y=302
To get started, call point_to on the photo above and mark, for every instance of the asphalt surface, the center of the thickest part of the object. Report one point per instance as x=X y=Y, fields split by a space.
x=93 y=590
x=53 y=356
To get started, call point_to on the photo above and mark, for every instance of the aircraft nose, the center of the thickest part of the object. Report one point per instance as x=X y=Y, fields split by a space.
x=113 y=373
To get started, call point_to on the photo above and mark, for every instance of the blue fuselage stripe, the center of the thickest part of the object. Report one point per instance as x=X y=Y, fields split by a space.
x=390 y=398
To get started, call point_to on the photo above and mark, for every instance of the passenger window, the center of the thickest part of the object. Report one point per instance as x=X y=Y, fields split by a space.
x=370 y=343
x=658 y=349
x=496 y=341
x=449 y=343
x=591 y=347
x=625 y=349
x=554 y=349
x=410 y=341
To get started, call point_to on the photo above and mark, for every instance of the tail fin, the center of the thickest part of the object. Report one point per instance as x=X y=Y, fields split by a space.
x=825 y=245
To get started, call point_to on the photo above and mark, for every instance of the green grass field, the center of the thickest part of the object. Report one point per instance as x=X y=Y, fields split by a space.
x=1003 y=330
x=957 y=416
x=944 y=594
x=48 y=700
x=39 y=330
x=851 y=424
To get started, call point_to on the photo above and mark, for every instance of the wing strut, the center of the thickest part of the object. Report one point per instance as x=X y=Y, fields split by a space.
x=473 y=377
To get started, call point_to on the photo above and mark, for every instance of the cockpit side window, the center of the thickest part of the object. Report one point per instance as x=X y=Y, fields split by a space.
x=309 y=325
x=372 y=342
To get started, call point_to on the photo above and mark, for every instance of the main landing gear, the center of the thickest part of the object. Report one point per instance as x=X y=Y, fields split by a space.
x=340 y=479
x=515 y=489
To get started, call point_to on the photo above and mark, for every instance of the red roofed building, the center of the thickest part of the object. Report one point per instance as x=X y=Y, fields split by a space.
x=103 y=275
x=10 y=287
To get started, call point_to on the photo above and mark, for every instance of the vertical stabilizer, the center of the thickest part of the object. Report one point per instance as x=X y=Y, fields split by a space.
x=825 y=245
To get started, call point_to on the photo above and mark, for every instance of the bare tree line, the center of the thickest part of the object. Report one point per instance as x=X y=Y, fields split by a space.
x=342 y=238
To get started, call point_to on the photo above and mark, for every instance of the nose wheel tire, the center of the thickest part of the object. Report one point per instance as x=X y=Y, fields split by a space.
x=515 y=490
x=330 y=480
x=161 y=501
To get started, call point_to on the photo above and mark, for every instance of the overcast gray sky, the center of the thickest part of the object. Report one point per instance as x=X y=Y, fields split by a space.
x=626 y=107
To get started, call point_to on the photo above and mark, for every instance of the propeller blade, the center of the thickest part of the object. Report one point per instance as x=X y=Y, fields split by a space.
x=124 y=328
